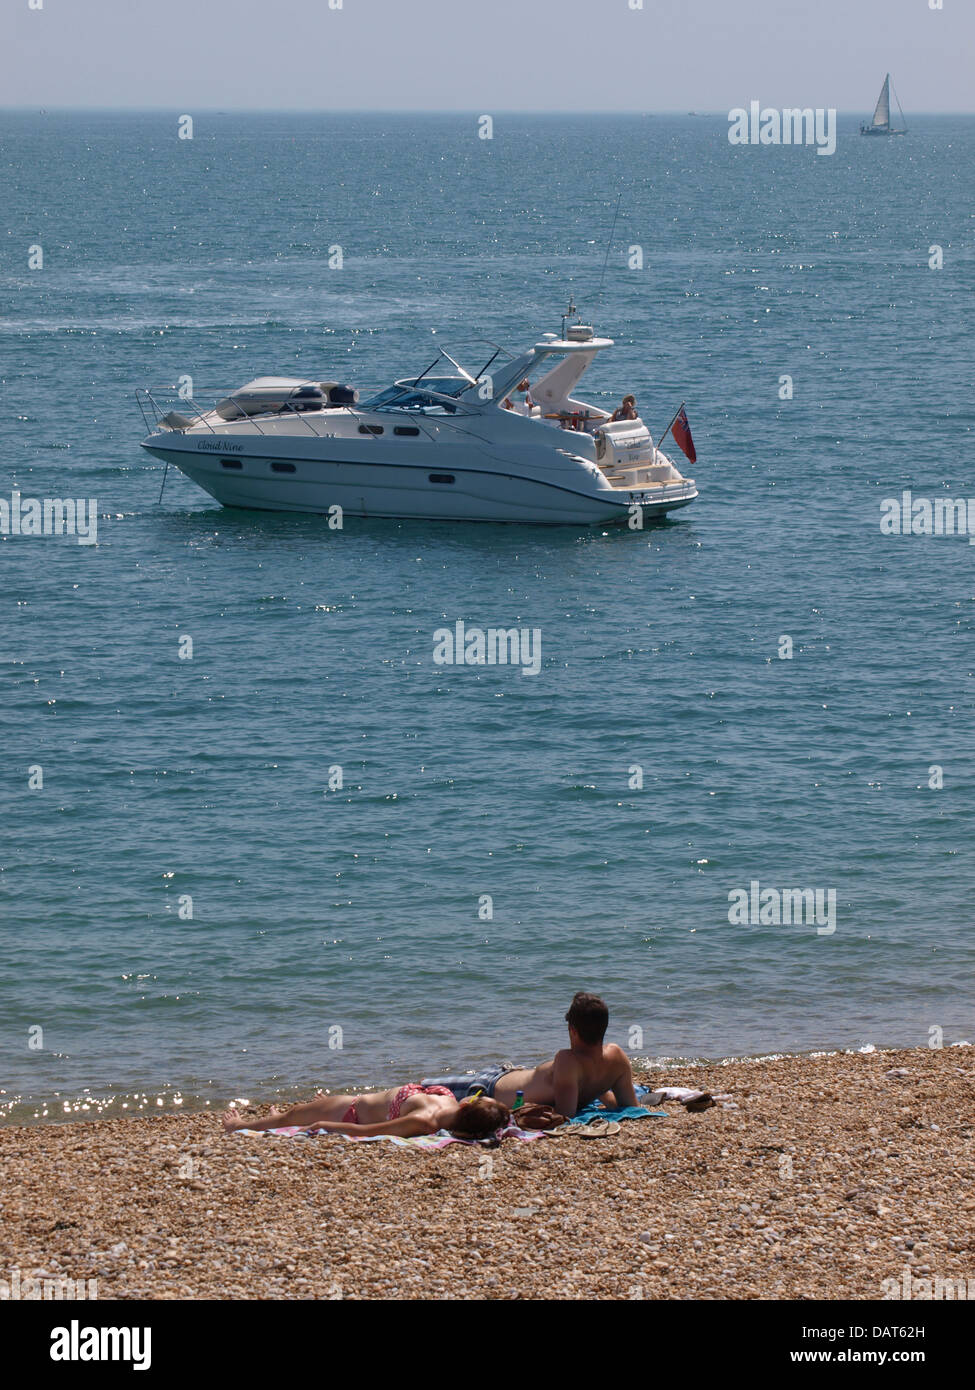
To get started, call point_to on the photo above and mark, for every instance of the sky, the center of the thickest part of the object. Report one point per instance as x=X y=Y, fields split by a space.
x=485 y=55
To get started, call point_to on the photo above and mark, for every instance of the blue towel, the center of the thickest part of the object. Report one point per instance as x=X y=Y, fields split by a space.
x=598 y=1111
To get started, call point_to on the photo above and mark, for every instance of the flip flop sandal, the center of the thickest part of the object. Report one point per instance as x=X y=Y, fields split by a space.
x=701 y=1103
x=597 y=1129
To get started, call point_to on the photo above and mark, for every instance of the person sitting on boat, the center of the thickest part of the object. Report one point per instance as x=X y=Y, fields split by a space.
x=402 y=1110
x=522 y=408
x=626 y=411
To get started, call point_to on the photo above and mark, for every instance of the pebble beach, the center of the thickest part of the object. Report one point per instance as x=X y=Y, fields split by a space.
x=824 y=1177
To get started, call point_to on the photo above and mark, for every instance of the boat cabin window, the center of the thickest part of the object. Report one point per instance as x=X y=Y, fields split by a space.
x=371 y=429
x=231 y=463
x=283 y=468
x=405 y=429
x=441 y=477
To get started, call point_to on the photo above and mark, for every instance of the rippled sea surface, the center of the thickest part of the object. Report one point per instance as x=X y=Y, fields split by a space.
x=324 y=917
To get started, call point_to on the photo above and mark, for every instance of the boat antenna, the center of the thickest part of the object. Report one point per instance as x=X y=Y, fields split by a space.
x=609 y=245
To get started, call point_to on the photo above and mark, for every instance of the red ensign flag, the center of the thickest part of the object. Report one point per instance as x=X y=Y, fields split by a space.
x=681 y=431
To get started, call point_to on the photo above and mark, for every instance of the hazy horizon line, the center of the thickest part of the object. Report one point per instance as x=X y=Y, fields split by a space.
x=430 y=111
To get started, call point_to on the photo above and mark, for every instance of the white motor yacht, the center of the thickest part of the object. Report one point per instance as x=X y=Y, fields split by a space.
x=438 y=446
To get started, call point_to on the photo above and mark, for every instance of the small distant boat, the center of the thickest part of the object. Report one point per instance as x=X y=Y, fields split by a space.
x=880 y=125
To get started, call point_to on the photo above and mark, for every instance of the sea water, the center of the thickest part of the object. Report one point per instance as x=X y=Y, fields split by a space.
x=295 y=850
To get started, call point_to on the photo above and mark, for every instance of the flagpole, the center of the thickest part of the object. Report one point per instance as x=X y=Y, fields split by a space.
x=670 y=426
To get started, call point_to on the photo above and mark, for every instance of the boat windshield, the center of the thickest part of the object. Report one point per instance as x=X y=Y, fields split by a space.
x=406 y=396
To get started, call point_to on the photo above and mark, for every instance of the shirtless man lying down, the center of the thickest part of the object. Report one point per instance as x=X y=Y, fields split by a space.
x=587 y=1070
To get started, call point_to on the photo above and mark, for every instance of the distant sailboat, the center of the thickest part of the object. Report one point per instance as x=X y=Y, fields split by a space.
x=880 y=125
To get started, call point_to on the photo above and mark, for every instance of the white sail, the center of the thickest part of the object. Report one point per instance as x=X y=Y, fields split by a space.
x=881 y=116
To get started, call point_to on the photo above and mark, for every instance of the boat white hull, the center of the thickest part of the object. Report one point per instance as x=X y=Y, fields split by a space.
x=414 y=491
x=433 y=447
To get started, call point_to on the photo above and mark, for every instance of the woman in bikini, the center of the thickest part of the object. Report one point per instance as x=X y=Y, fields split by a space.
x=402 y=1110
x=626 y=411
